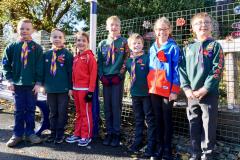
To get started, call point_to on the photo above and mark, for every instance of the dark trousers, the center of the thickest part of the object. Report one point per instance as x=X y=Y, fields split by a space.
x=57 y=103
x=24 y=114
x=163 y=120
x=112 y=96
x=142 y=109
x=202 y=116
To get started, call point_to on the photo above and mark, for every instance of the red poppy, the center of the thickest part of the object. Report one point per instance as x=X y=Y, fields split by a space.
x=180 y=22
x=220 y=60
x=220 y=66
x=215 y=76
x=61 y=59
x=161 y=56
x=140 y=61
x=217 y=71
x=205 y=52
x=221 y=55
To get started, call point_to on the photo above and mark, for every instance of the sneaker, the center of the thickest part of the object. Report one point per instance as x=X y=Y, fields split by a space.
x=34 y=139
x=195 y=157
x=59 y=140
x=13 y=141
x=115 y=140
x=72 y=139
x=107 y=140
x=84 y=142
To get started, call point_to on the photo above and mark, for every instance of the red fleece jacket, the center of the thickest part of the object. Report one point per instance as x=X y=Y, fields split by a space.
x=85 y=71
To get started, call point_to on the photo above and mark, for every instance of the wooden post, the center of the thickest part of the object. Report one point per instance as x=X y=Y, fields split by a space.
x=231 y=80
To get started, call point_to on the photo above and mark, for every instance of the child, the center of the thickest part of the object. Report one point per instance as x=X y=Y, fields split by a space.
x=200 y=74
x=112 y=55
x=58 y=84
x=163 y=83
x=22 y=66
x=84 y=82
x=138 y=67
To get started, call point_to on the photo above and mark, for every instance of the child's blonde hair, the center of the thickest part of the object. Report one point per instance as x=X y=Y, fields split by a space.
x=82 y=33
x=24 y=20
x=113 y=19
x=57 y=29
x=165 y=21
x=200 y=15
x=134 y=37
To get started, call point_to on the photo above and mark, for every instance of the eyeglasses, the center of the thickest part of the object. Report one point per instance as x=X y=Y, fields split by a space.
x=207 y=23
x=161 y=29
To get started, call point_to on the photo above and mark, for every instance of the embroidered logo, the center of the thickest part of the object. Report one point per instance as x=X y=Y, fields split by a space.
x=61 y=59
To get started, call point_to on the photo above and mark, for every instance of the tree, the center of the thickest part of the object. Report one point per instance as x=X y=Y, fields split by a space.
x=45 y=14
x=127 y=9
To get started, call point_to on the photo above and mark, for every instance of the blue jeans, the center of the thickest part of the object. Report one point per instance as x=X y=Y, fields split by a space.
x=24 y=114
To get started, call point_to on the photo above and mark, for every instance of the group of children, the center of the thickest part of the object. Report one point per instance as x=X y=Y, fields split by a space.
x=155 y=83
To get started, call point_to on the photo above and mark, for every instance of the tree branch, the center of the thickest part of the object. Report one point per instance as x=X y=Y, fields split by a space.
x=62 y=12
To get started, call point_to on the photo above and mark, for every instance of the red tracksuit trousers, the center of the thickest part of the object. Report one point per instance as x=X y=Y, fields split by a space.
x=84 y=122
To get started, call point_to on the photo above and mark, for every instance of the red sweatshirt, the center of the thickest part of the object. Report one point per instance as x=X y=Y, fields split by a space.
x=84 y=71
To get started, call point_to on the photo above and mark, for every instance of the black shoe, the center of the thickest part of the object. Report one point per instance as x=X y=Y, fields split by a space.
x=59 y=140
x=107 y=140
x=50 y=139
x=159 y=152
x=115 y=140
x=195 y=157
x=135 y=147
x=167 y=154
x=149 y=152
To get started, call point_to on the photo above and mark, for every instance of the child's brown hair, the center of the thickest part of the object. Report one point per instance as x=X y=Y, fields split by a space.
x=82 y=33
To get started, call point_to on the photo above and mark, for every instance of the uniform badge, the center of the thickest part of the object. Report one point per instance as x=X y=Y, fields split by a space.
x=105 y=49
x=210 y=46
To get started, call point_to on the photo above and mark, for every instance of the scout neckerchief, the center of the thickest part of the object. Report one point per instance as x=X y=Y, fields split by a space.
x=53 y=68
x=111 y=51
x=201 y=52
x=25 y=50
x=133 y=66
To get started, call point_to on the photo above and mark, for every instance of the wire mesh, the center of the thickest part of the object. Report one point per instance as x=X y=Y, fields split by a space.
x=225 y=22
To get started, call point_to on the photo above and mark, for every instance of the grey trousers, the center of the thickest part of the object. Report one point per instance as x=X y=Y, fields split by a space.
x=202 y=116
x=112 y=96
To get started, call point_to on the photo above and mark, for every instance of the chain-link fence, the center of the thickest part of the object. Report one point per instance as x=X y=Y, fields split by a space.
x=226 y=20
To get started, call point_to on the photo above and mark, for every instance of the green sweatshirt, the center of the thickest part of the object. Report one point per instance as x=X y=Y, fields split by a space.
x=202 y=66
x=121 y=54
x=13 y=68
x=140 y=86
x=62 y=81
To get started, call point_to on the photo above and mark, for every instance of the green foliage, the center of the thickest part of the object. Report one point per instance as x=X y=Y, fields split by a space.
x=127 y=9
x=45 y=14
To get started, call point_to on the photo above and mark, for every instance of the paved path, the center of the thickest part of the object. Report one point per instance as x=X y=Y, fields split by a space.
x=25 y=151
